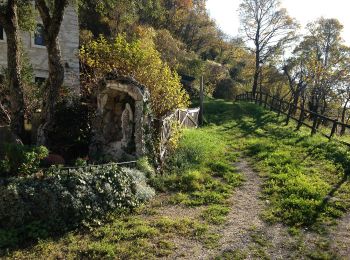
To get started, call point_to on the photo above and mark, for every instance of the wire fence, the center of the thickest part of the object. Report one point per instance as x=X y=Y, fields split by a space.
x=130 y=164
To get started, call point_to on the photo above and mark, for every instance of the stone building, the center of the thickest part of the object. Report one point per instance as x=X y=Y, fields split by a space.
x=34 y=46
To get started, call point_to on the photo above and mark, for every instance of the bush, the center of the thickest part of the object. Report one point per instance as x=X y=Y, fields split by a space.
x=192 y=181
x=71 y=134
x=225 y=89
x=140 y=59
x=21 y=159
x=144 y=166
x=62 y=199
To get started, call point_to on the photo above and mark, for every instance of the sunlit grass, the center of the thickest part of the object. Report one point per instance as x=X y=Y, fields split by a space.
x=304 y=177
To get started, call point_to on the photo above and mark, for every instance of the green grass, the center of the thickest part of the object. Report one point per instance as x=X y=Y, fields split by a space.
x=216 y=214
x=305 y=178
x=200 y=173
x=305 y=181
x=302 y=173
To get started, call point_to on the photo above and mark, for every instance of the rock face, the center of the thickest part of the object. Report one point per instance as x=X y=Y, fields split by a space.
x=118 y=127
x=7 y=137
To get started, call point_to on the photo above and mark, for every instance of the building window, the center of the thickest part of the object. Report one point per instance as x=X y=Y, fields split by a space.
x=2 y=33
x=39 y=35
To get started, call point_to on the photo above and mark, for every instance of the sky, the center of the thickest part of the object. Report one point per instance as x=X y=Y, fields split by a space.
x=226 y=14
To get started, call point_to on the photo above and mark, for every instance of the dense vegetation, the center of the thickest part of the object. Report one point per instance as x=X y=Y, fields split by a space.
x=139 y=59
x=59 y=200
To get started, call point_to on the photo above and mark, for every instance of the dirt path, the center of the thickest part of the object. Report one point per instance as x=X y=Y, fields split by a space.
x=341 y=238
x=245 y=235
x=246 y=208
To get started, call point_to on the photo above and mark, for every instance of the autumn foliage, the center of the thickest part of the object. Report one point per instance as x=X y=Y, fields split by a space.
x=138 y=59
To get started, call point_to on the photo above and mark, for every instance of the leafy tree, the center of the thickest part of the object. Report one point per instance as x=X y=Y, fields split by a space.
x=225 y=89
x=138 y=59
x=172 y=51
x=268 y=27
x=323 y=57
x=295 y=72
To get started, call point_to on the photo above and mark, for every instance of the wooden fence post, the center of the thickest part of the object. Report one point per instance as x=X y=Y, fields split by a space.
x=290 y=107
x=314 y=125
x=334 y=128
x=301 y=119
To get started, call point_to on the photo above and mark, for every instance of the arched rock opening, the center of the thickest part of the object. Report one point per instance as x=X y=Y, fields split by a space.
x=118 y=127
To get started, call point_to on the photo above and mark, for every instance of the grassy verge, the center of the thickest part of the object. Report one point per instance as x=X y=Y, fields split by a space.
x=306 y=178
x=200 y=177
x=306 y=186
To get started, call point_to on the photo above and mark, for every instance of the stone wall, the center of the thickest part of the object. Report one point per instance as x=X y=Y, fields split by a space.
x=69 y=42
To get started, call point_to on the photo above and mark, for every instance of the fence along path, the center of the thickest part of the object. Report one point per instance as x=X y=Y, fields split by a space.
x=299 y=114
x=187 y=118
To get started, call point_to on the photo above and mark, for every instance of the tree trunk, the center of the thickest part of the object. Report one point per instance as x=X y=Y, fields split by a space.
x=52 y=87
x=295 y=103
x=52 y=20
x=11 y=27
x=256 y=73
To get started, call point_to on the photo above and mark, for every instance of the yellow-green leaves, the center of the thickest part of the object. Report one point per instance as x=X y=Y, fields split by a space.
x=138 y=59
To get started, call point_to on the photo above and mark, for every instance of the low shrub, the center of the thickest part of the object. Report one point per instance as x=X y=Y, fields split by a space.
x=192 y=181
x=21 y=159
x=225 y=89
x=62 y=199
x=71 y=133
x=216 y=214
x=145 y=166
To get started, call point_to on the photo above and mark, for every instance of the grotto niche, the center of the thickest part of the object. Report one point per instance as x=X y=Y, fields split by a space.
x=118 y=127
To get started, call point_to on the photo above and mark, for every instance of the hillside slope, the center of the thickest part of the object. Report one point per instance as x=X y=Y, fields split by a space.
x=243 y=187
